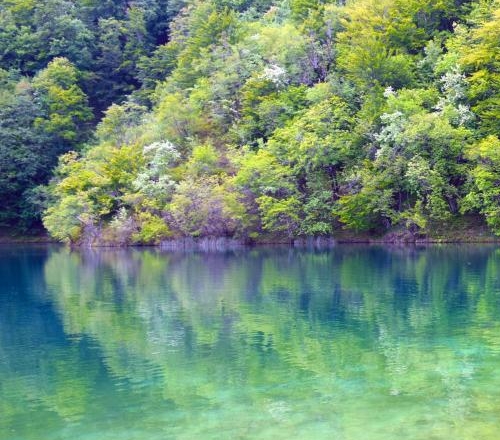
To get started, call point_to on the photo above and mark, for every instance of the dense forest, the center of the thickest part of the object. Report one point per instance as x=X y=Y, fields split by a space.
x=130 y=122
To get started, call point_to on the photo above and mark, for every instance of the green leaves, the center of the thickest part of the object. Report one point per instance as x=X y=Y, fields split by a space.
x=294 y=121
x=65 y=104
x=89 y=190
x=416 y=169
x=374 y=46
x=280 y=215
x=481 y=58
x=367 y=201
x=484 y=187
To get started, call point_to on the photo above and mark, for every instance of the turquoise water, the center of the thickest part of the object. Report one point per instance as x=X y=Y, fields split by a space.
x=355 y=342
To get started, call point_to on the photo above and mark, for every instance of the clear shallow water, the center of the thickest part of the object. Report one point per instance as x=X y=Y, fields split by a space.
x=352 y=343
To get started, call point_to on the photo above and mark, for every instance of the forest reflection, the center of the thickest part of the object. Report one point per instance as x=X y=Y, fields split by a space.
x=305 y=339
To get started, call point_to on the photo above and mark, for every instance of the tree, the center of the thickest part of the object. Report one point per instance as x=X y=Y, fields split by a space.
x=374 y=45
x=481 y=60
x=417 y=166
x=64 y=105
x=484 y=185
x=26 y=154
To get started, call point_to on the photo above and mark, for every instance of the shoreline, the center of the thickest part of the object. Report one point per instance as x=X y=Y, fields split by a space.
x=460 y=231
x=188 y=243
x=27 y=240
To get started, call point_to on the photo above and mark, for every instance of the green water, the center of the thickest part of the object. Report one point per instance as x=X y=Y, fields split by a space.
x=353 y=343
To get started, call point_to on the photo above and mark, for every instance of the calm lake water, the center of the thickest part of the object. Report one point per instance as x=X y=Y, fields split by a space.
x=355 y=342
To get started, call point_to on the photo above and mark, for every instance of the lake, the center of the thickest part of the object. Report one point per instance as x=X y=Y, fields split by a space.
x=350 y=343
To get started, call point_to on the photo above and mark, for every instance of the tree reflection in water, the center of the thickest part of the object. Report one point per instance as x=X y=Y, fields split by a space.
x=353 y=342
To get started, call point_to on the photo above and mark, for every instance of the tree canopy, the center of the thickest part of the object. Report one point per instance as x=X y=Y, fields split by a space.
x=247 y=119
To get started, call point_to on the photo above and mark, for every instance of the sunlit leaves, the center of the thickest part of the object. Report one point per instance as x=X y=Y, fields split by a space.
x=484 y=194
x=62 y=99
x=482 y=60
x=299 y=120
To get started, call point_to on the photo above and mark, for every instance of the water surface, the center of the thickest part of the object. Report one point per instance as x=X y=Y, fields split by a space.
x=351 y=343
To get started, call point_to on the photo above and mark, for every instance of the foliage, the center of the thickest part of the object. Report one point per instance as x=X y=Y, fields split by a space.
x=62 y=101
x=246 y=118
x=484 y=193
x=481 y=58
x=152 y=229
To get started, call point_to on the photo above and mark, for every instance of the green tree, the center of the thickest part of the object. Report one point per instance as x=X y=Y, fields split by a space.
x=484 y=188
x=27 y=154
x=481 y=59
x=63 y=103
x=375 y=44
